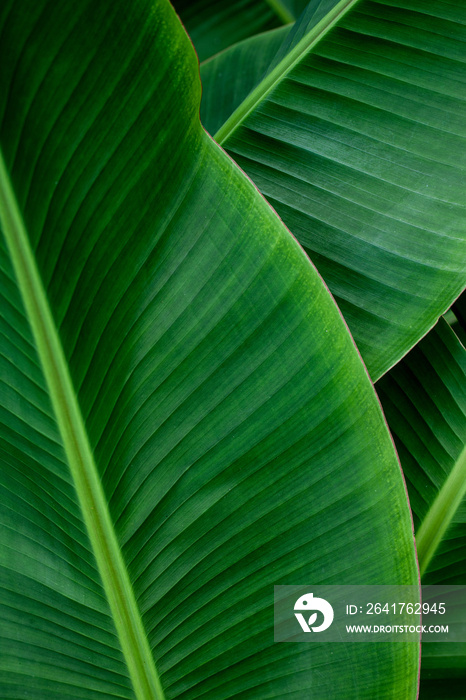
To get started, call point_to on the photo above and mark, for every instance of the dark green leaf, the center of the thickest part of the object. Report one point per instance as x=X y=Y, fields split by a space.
x=296 y=7
x=424 y=399
x=231 y=75
x=185 y=420
x=213 y=25
x=357 y=138
x=459 y=312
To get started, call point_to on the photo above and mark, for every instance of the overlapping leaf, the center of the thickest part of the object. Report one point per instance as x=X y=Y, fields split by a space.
x=424 y=399
x=459 y=313
x=357 y=139
x=229 y=77
x=213 y=26
x=188 y=422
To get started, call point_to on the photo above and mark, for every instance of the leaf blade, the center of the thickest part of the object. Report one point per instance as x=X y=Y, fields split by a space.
x=80 y=458
x=356 y=150
x=244 y=66
x=213 y=26
x=316 y=29
x=441 y=514
x=424 y=400
x=208 y=385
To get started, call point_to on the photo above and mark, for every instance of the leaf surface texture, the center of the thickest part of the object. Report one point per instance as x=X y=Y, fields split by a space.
x=356 y=137
x=424 y=399
x=233 y=435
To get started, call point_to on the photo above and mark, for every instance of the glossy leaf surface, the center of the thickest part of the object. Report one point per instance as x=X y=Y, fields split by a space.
x=357 y=139
x=185 y=420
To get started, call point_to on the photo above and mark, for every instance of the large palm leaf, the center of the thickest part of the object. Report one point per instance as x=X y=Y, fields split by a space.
x=356 y=136
x=185 y=419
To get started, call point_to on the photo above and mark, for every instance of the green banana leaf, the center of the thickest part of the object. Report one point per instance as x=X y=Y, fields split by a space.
x=424 y=399
x=242 y=66
x=185 y=421
x=356 y=137
x=213 y=25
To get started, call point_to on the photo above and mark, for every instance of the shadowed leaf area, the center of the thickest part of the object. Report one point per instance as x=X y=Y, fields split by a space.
x=424 y=399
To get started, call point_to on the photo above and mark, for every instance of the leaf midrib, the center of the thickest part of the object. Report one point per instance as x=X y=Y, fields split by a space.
x=281 y=70
x=94 y=507
x=441 y=513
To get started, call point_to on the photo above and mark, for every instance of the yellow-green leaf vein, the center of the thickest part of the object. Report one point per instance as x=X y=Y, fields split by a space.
x=441 y=513
x=89 y=489
x=292 y=58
